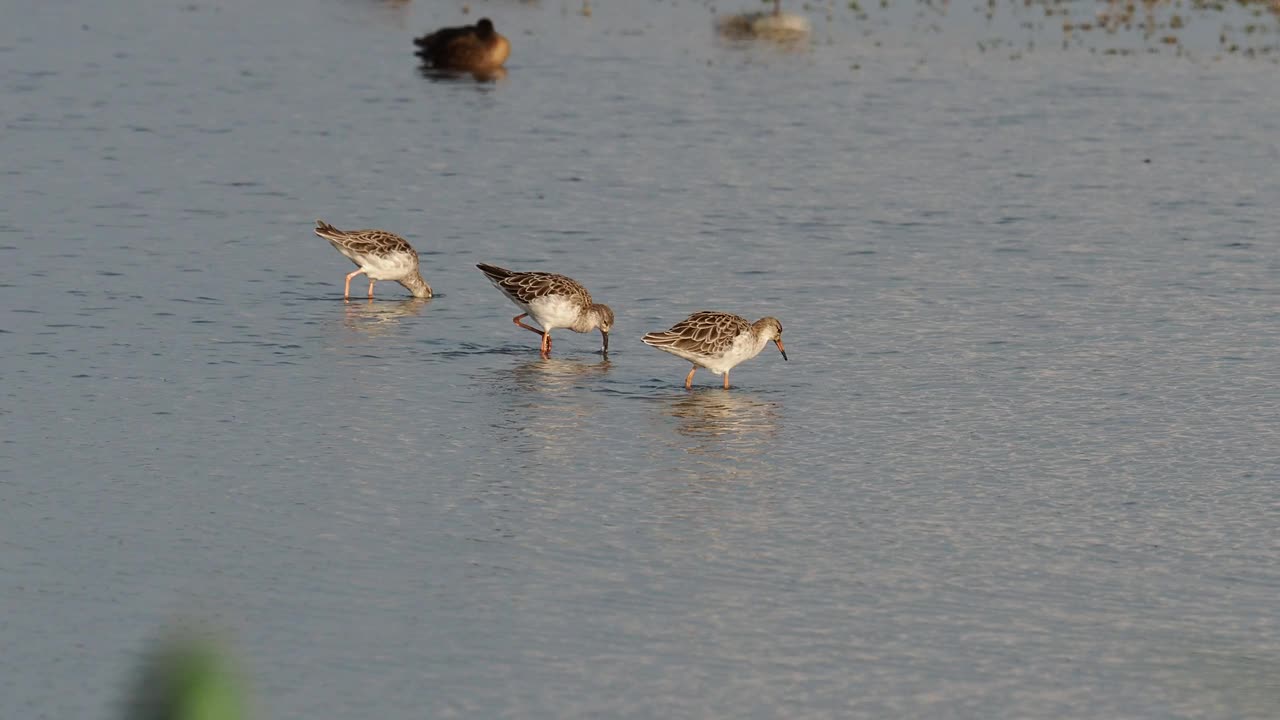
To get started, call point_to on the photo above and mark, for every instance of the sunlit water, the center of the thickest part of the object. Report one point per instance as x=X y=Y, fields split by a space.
x=1022 y=462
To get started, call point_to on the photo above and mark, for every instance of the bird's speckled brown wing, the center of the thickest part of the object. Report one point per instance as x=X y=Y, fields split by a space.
x=706 y=333
x=364 y=243
x=525 y=287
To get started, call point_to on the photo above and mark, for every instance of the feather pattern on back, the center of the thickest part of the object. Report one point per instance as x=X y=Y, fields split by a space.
x=706 y=333
x=354 y=243
x=525 y=287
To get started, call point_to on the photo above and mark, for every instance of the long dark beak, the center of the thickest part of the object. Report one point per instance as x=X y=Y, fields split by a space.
x=604 y=350
x=780 y=348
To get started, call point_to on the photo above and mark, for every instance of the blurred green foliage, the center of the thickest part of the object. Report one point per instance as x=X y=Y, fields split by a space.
x=187 y=675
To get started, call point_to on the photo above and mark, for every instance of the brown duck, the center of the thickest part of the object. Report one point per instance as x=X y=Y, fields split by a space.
x=471 y=48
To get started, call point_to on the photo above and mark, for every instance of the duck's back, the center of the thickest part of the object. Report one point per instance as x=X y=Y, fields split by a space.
x=435 y=42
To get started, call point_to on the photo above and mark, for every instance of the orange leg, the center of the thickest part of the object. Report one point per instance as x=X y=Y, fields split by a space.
x=530 y=328
x=371 y=282
x=346 y=290
x=688 y=379
x=546 y=334
x=726 y=379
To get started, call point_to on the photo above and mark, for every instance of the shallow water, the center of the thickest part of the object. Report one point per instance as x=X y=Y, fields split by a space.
x=1022 y=462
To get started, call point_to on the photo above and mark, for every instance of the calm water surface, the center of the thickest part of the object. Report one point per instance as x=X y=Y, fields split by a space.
x=1022 y=463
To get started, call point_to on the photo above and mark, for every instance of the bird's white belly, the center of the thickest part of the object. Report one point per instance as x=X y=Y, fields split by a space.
x=743 y=348
x=554 y=312
x=391 y=267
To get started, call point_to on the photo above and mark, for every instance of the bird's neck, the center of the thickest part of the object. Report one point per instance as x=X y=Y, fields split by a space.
x=759 y=335
x=588 y=321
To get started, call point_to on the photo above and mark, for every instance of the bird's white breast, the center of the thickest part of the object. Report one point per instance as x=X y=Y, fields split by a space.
x=554 y=311
x=387 y=267
x=744 y=347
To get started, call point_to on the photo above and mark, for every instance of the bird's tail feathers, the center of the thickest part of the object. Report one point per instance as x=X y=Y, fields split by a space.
x=327 y=231
x=659 y=339
x=493 y=272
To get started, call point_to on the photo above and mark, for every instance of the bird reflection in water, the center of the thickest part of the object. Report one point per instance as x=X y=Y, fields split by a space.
x=556 y=374
x=550 y=404
x=375 y=317
x=483 y=77
x=725 y=422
